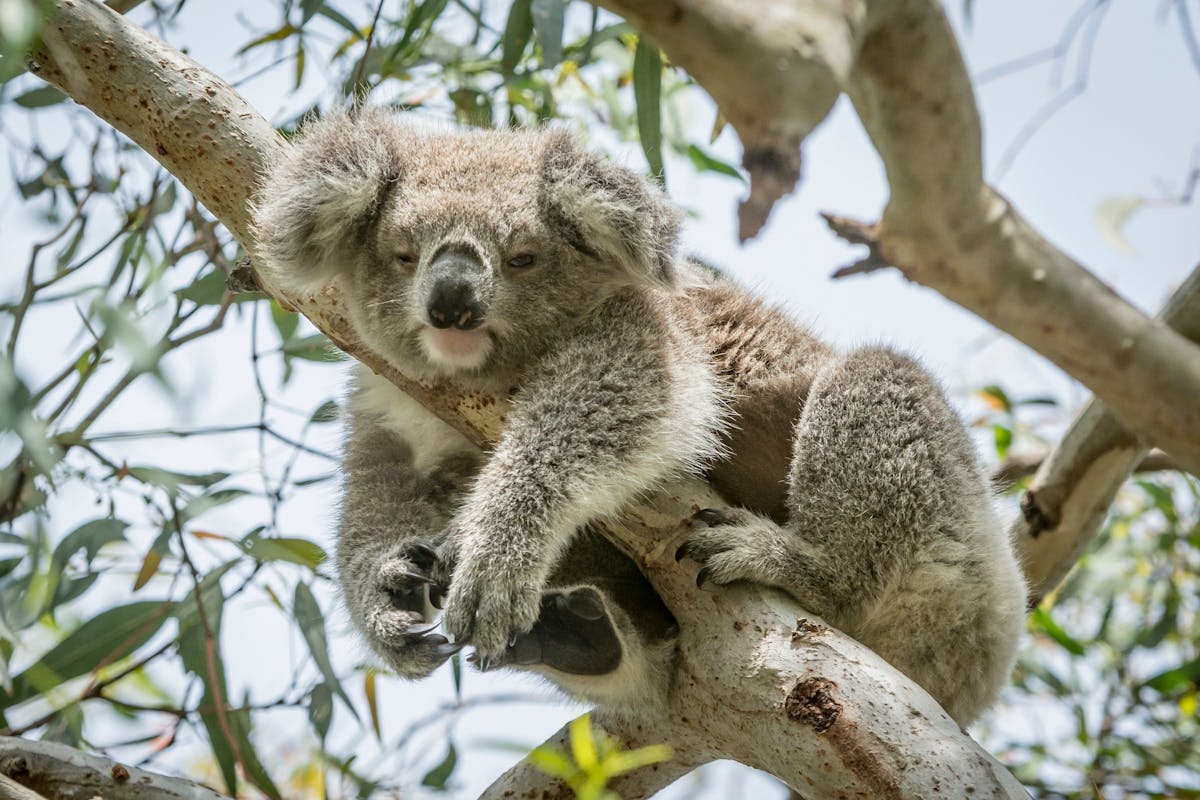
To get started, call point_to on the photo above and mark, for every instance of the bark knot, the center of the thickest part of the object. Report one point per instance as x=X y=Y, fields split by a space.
x=811 y=701
x=806 y=630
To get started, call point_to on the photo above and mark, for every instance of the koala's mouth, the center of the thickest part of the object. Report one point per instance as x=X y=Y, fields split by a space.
x=457 y=349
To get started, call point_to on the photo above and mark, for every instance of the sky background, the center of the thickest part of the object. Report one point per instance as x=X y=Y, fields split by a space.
x=1133 y=132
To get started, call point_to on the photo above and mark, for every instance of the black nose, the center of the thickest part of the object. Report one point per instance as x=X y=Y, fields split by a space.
x=452 y=303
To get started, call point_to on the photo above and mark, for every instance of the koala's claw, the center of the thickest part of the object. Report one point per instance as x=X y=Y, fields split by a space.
x=712 y=516
x=446 y=648
x=490 y=611
x=423 y=554
x=733 y=544
x=573 y=634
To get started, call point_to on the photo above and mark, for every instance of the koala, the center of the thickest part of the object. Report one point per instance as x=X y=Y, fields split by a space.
x=515 y=262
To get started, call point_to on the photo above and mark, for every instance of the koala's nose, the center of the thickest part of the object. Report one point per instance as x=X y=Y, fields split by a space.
x=453 y=303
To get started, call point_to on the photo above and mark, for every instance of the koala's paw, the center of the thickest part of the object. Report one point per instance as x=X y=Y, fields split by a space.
x=395 y=611
x=573 y=634
x=489 y=607
x=734 y=544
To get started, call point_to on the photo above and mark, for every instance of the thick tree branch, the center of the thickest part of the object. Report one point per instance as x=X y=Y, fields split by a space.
x=1068 y=499
x=798 y=699
x=1017 y=467
x=57 y=772
x=775 y=69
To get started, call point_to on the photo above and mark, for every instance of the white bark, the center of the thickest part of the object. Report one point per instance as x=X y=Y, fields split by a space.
x=52 y=771
x=1068 y=499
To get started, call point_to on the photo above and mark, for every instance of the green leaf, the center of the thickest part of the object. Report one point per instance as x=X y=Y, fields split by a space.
x=703 y=162
x=1039 y=400
x=547 y=18
x=553 y=762
x=326 y=412
x=308 y=8
x=335 y=16
x=1003 y=437
x=207 y=502
x=286 y=322
x=172 y=480
x=1041 y=621
x=187 y=611
x=473 y=107
x=7 y=565
x=996 y=398
x=437 y=777
x=312 y=625
x=40 y=97
x=1178 y=677
x=106 y=638
x=647 y=93
x=283 y=548
x=89 y=537
x=517 y=33
x=208 y=290
x=201 y=656
x=316 y=347
x=70 y=588
x=274 y=36
x=1162 y=498
x=320 y=709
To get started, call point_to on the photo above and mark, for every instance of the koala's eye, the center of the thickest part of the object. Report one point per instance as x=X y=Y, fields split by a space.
x=406 y=258
x=521 y=261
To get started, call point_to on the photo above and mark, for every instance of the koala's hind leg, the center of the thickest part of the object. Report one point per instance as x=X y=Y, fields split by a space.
x=603 y=633
x=890 y=534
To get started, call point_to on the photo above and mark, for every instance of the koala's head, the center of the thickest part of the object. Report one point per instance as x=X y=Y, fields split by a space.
x=462 y=253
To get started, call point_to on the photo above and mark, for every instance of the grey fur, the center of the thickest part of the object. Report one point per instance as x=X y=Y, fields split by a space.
x=858 y=489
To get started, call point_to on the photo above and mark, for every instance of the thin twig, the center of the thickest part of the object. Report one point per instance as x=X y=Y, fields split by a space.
x=359 y=93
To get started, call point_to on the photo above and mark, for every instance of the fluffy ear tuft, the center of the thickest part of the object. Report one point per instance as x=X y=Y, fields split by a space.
x=608 y=211
x=319 y=198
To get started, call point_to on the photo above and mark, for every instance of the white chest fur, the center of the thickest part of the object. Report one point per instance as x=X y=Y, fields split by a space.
x=431 y=439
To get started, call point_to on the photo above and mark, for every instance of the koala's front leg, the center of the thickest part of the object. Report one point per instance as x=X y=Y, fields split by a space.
x=615 y=410
x=398 y=496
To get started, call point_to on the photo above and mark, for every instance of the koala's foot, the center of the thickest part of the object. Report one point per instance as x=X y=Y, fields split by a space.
x=489 y=607
x=735 y=544
x=573 y=634
x=395 y=610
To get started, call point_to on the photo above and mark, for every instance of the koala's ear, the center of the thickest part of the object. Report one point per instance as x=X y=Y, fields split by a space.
x=608 y=211
x=313 y=212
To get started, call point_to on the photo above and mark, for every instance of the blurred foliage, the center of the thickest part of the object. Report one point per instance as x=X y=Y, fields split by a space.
x=594 y=759
x=123 y=551
x=1104 y=699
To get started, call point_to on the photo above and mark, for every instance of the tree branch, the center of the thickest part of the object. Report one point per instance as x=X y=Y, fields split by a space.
x=1023 y=465
x=775 y=69
x=1068 y=499
x=754 y=683
x=52 y=771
